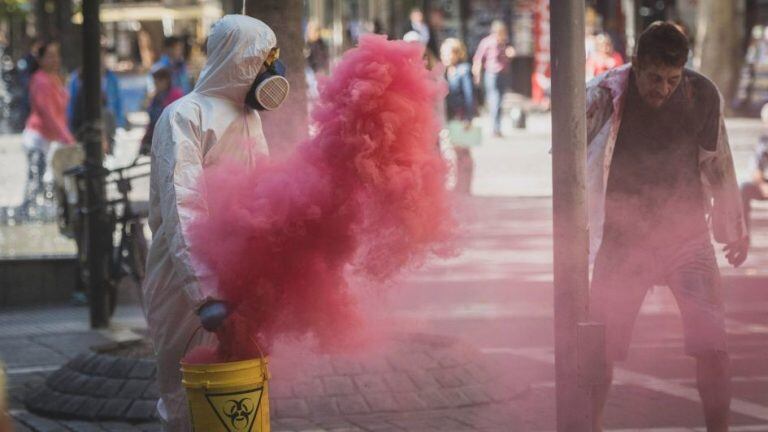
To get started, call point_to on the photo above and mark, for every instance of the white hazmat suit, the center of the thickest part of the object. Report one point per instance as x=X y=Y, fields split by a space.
x=194 y=133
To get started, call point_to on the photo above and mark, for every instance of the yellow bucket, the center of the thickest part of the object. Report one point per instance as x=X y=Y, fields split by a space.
x=231 y=397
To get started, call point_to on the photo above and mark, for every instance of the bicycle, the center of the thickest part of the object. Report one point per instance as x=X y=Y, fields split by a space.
x=126 y=222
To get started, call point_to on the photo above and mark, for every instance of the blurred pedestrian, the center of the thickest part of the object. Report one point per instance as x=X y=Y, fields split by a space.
x=603 y=58
x=317 y=56
x=490 y=64
x=757 y=187
x=317 y=50
x=430 y=60
x=417 y=23
x=112 y=117
x=460 y=110
x=173 y=58
x=26 y=66
x=165 y=94
x=651 y=168
x=46 y=126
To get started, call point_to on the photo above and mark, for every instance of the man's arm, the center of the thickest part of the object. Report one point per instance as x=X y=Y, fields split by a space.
x=179 y=166
x=477 y=61
x=716 y=165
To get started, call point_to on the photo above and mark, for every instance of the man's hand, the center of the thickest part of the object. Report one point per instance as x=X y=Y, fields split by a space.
x=736 y=252
x=213 y=314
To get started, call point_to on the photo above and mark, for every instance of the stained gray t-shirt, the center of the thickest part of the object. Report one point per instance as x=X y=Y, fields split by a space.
x=654 y=191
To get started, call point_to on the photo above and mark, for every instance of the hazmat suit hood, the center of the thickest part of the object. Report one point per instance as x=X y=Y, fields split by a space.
x=237 y=47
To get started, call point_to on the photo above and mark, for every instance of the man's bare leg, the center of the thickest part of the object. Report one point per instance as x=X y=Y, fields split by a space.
x=714 y=383
x=599 y=398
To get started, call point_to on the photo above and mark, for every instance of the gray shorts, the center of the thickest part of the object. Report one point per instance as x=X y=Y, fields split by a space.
x=623 y=275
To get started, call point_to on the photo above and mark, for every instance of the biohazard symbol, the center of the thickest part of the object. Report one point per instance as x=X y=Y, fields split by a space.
x=237 y=411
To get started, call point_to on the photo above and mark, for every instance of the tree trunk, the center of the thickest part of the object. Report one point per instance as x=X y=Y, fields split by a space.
x=288 y=125
x=720 y=36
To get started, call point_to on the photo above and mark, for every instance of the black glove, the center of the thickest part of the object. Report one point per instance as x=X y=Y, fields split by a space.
x=213 y=314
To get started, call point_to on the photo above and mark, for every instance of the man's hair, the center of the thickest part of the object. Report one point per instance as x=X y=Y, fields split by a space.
x=662 y=44
x=170 y=41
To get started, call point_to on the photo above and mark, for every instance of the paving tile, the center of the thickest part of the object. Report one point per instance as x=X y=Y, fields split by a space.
x=122 y=367
x=345 y=366
x=114 y=409
x=152 y=391
x=322 y=406
x=434 y=399
x=90 y=408
x=370 y=383
x=133 y=388
x=381 y=402
x=352 y=404
x=110 y=387
x=476 y=394
x=93 y=386
x=293 y=407
x=141 y=410
x=118 y=427
x=39 y=424
x=423 y=379
x=144 y=369
x=104 y=364
x=410 y=401
x=449 y=377
x=308 y=388
x=82 y=426
x=338 y=385
x=399 y=382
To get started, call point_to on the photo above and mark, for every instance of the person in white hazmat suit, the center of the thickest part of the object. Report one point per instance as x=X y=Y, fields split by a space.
x=242 y=75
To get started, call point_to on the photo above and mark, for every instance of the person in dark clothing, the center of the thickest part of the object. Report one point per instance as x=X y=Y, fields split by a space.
x=316 y=51
x=668 y=138
x=418 y=24
x=26 y=67
x=460 y=107
x=165 y=94
x=173 y=59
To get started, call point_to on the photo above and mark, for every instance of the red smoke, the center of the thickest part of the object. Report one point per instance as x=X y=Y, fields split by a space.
x=366 y=193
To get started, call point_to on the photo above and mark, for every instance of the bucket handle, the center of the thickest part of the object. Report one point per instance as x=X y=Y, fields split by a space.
x=200 y=327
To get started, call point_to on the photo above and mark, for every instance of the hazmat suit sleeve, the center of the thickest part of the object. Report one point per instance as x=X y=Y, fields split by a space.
x=719 y=176
x=181 y=199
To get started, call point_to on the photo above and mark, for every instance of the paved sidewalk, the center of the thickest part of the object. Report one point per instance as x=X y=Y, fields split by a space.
x=496 y=298
x=425 y=382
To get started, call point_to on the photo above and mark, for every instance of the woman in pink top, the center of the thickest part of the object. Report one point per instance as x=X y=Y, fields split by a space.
x=47 y=123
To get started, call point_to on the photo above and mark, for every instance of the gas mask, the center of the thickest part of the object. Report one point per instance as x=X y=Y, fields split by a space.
x=270 y=88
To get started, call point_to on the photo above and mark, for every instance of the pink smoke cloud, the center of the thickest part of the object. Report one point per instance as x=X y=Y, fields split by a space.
x=366 y=194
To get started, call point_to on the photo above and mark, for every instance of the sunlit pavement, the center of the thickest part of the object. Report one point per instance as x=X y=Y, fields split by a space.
x=497 y=295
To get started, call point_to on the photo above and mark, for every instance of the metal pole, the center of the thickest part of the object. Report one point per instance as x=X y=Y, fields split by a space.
x=98 y=235
x=571 y=242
